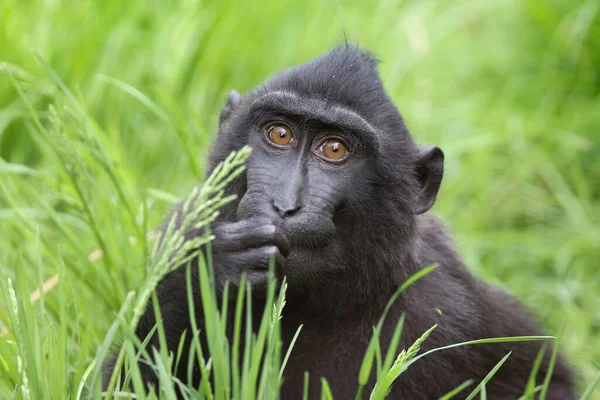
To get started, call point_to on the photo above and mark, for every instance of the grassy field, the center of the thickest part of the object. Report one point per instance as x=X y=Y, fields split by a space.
x=108 y=109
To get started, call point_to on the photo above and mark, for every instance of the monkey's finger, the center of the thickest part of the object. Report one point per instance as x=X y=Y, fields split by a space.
x=225 y=229
x=259 y=280
x=241 y=226
x=258 y=258
x=256 y=236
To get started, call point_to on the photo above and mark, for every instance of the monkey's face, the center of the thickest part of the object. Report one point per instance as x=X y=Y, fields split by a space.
x=332 y=162
x=300 y=174
x=326 y=176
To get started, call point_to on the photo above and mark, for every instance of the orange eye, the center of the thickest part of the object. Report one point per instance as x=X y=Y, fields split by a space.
x=333 y=150
x=279 y=135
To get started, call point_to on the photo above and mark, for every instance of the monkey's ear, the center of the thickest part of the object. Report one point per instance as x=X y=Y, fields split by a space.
x=234 y=99
x=430 y=169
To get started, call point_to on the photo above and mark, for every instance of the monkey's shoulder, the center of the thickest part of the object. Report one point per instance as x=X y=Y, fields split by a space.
x=435 y=245
x=458 y=291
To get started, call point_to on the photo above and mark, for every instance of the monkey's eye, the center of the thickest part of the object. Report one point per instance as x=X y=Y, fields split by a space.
x=332 y=150
x=280 y=136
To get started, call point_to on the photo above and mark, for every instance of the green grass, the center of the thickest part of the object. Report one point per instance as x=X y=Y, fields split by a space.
x=107 y=111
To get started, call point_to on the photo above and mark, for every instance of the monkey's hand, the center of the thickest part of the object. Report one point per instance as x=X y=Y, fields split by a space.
x=248 y=246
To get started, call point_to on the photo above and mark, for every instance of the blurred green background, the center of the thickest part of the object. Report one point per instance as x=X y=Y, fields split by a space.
x=509 y=89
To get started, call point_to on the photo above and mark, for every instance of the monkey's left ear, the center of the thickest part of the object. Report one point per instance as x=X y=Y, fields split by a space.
x=430 y=169
x=234 y=99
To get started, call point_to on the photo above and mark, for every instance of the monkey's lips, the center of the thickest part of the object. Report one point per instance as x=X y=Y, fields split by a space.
x=304 y=231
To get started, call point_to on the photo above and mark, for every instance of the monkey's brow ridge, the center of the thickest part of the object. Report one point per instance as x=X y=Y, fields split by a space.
x=327 y=112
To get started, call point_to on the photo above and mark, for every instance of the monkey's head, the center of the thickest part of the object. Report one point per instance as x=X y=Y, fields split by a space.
x=332 y=161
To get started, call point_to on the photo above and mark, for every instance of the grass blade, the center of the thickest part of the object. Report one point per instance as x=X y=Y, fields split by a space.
x=488 y=377
x=587 y=395
x=457 y=390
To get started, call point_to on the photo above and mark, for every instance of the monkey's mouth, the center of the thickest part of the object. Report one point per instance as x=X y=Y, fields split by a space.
x=308 y=229
x=306 y=232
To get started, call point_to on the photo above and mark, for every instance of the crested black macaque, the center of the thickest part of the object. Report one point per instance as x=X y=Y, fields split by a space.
x=338 y=192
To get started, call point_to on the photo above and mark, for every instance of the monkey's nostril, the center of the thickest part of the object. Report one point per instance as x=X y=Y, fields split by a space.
x=285 y=210
x=293 y=211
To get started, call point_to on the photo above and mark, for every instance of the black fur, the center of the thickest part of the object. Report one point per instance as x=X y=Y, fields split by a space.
x=351 y=235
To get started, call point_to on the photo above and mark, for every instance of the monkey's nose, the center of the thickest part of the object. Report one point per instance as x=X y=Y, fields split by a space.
x=285 y=210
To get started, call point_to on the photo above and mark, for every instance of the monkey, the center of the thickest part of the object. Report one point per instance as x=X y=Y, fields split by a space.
x=338 y=194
